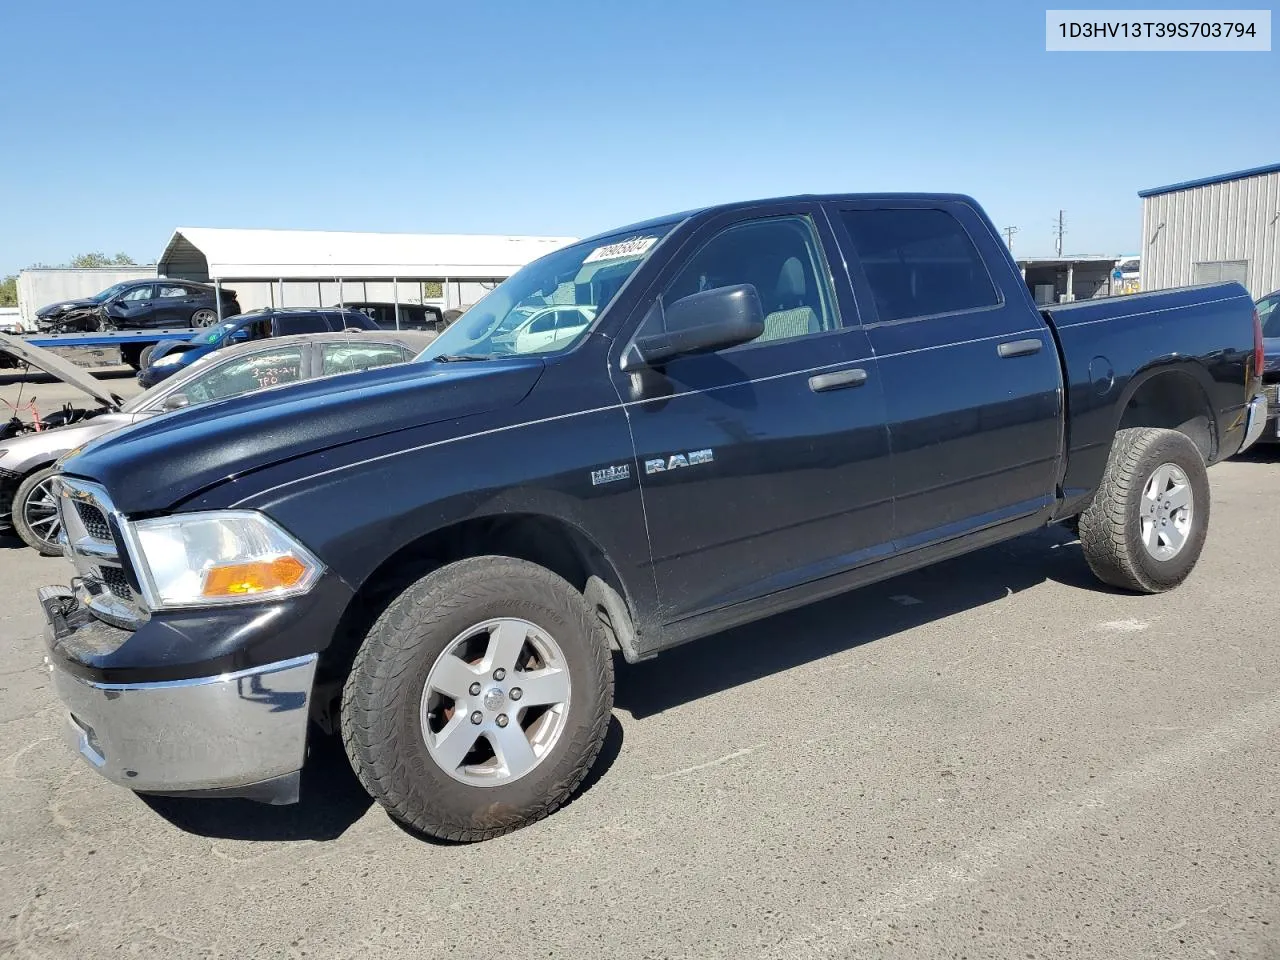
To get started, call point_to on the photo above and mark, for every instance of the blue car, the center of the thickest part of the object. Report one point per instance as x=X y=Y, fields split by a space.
x=166 y=359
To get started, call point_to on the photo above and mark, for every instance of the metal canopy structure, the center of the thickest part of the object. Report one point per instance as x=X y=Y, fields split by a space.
x=210 y=253
x=318 y=258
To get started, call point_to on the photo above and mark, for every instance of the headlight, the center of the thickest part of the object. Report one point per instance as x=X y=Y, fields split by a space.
x=225 y=556
x=168 y=360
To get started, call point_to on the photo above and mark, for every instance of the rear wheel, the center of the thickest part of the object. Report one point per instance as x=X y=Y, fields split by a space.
x=479 y=699
x=35 y=513
x=204 y=318
x=1147 y=523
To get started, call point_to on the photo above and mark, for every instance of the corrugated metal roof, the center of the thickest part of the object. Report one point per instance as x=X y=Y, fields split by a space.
x=206 y=253
x=1206 y=181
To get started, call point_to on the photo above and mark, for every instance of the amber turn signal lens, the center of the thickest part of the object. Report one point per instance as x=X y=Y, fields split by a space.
x=257 y=576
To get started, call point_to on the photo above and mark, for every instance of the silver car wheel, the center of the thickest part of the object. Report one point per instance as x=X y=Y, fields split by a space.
x=41 y=512
x=1168 y=509
x=204 y=318
x=495 y=702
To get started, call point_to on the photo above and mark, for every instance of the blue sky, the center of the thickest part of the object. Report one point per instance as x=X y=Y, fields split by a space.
x=553 y=117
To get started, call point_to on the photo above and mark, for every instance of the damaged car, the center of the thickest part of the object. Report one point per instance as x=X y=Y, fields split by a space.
x=28 y=462
x=140 y=304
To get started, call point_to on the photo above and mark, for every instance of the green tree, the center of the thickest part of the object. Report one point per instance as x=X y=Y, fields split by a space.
x=9 y=292
x=99 y=259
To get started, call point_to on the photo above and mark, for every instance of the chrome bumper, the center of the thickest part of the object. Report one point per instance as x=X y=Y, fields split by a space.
x=217 y=734
x=1256 y=422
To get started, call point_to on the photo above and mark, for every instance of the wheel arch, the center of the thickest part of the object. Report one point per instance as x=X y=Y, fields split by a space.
x=545 y=539
x=1174 y=396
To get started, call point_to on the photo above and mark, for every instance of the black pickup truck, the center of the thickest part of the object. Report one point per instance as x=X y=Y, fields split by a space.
x=769 y=403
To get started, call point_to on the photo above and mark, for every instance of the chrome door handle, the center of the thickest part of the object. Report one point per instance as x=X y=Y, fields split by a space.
x=1020 y=348
x=838 y=380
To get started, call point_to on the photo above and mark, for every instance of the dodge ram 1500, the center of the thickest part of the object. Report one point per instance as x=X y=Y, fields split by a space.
x=771 y=402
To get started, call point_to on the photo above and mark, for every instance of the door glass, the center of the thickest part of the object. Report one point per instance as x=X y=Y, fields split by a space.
x=354 y=357
x=246 y=374
x=781 y=258
x=138 y=293
x=168 y=290
x=919 y=262
x=304 y=323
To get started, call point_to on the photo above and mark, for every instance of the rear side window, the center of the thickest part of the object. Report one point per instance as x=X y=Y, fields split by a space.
x=919 y=262
x=302 y=323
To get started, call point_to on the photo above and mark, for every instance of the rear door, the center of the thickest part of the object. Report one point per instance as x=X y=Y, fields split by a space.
x=762 y=466
x=173 y=305
x=971 y=377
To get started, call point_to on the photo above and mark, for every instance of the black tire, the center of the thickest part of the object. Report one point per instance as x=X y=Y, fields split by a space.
x=381 y=700
x=1111 y=527
x=144 y=358
x=42 y=536
x=132 y=355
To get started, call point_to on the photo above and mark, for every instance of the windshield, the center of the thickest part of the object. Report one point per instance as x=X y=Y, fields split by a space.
x=1269 y=314
x=215 y=334
x=547 y=306
x=111 y=291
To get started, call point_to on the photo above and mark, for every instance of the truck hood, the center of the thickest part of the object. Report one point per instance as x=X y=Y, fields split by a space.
x=50 y=309
x=160 y=462
x=55 y=366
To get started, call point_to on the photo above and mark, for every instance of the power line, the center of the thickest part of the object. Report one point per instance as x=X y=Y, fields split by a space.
x=1008 y=236
x=1060 y=230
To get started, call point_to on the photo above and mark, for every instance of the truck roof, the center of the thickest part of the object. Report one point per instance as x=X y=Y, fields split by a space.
x=674 y=218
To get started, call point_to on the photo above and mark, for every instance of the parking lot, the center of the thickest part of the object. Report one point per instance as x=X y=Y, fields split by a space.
x=994 y=757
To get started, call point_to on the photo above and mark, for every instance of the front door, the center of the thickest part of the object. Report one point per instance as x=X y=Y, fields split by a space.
x=971 y=377
x=762 y=466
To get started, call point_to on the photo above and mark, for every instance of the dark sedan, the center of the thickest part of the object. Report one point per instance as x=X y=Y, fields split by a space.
x=139 y=304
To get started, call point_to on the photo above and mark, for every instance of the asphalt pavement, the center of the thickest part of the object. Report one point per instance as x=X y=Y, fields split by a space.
x=995 y=757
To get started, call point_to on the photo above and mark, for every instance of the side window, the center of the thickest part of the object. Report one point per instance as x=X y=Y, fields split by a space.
x=138 y=293
x=354 y=357
x=302 y=323
x=781 y=258
x=171 y=290
x=919 y=262
x=247 y=374
x=544 y=323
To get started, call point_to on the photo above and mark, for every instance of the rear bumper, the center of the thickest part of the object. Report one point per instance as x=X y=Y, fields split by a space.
x=1256 y=421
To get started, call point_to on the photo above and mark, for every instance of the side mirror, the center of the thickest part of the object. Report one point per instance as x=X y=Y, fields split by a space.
x=176 y=401
x=700 y=323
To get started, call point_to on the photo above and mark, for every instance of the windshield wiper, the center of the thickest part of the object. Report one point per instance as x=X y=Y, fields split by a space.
x=461 y=357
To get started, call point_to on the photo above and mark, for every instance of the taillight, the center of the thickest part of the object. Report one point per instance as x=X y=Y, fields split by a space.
x=1259 y=352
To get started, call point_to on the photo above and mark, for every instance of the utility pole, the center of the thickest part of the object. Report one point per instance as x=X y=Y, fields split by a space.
x=1008 y=236
x=1059 y=229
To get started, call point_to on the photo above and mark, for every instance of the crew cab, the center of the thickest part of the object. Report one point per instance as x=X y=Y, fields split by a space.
x=166 y=358
x=774 y=402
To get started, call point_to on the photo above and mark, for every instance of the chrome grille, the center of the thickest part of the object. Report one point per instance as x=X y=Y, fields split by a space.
x=100 y=579
x=95 y=524
x=116 y=582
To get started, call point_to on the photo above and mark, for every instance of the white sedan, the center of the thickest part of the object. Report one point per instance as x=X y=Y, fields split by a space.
x=549 y=325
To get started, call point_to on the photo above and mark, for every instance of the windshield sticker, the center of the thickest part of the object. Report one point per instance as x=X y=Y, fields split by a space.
x=635 y=247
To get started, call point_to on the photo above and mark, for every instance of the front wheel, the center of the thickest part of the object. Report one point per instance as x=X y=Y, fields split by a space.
x=479 y=699
x=35 y=513
x=1147 y=523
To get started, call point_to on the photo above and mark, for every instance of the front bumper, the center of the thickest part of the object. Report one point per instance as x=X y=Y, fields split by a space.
x=232 y=723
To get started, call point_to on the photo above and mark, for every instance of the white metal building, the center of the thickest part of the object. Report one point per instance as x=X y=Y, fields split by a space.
x=1219 y=228
x=308 y=268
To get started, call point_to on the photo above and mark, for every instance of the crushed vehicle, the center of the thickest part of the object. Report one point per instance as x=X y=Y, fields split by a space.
x=773 y=402
x=167 y=358
x=27 y=461
x=139 y=304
